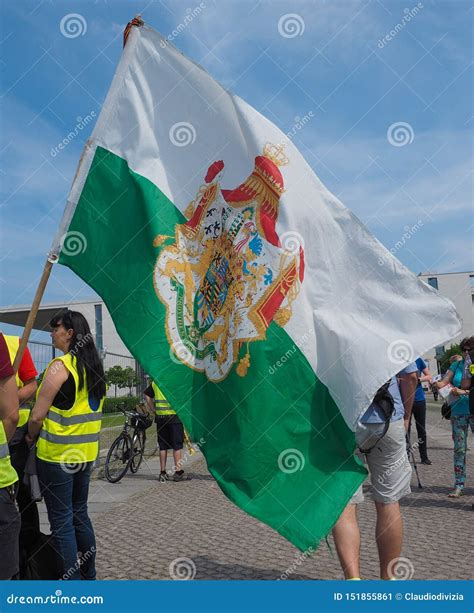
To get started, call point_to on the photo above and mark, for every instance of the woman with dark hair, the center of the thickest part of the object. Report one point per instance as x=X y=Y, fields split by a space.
x=66 y=421
x=460 y=418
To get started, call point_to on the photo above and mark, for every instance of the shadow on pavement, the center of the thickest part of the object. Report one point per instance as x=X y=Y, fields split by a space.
x=208 y=568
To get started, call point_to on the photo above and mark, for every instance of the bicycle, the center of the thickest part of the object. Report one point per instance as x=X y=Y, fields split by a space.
x=128 y=448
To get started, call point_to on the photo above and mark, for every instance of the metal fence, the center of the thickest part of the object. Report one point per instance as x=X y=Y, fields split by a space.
x=42 y=353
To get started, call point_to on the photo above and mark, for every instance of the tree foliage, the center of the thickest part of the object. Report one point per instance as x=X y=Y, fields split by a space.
x=444 y=362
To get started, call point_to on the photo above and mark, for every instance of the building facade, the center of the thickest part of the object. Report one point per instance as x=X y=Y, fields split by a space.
x=111 y=347
x=459 y=288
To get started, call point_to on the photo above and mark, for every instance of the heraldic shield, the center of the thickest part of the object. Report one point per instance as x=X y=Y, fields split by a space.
x=224 y=276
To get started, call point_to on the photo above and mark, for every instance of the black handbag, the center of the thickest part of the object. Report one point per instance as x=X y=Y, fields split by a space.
x=445 y=411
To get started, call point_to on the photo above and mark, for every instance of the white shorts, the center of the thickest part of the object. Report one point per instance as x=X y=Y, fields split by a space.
x=388 y=464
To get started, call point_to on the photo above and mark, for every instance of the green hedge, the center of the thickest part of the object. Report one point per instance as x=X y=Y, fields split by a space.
x=114 y=405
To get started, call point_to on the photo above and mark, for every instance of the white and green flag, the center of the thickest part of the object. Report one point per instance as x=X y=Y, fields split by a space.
x=261 y=306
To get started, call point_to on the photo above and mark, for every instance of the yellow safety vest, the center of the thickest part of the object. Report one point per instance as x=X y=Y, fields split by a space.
x=13 y=343
x=8 y=474
x=162 y=406
x=70 y=436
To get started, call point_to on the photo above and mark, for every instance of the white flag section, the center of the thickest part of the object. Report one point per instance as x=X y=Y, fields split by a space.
x=363 y=315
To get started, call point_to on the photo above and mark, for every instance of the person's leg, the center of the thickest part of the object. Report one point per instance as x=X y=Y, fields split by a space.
x=419 y=411
x=177 y=457
x=163 y=456
x=390 y=475
x=85 y=537
x=389 y=536
x=459 y=425
x=57 y=486
x=347 y=541
x=9 y=532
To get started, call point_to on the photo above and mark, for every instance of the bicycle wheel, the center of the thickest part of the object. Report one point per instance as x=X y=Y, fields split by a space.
x=139 y=439
x=118 y=458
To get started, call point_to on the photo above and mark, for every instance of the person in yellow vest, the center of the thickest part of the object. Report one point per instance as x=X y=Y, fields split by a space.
x=169 y=430
x=27 y=386
x=66 y=422
x=9 y=515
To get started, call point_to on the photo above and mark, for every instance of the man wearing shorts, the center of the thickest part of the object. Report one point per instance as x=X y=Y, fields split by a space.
x=169 y=430
x=390 y=475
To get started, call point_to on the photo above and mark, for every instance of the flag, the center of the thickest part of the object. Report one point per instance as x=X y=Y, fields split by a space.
x=259 y=304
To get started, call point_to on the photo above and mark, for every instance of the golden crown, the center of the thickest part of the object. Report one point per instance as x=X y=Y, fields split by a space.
x=275 y=154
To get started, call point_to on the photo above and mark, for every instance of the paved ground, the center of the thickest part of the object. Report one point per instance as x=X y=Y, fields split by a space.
x=143 y=526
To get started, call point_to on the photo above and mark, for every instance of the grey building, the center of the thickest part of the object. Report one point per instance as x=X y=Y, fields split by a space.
x=459 y=288
x=110 y=345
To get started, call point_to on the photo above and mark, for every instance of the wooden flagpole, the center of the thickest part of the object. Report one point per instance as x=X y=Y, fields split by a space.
x=32 y=314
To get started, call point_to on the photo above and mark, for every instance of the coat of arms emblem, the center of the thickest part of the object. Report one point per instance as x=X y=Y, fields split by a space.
x=224 y=276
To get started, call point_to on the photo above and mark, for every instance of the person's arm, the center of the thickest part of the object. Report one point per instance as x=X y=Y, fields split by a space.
x=27 y=391
x=425 y=375
x=150 y=403
x=448 y=377
x=27 y=373
x=8 y=394
x=149 y=398
x=408 y=383
x=9 y=405
x=54 y=377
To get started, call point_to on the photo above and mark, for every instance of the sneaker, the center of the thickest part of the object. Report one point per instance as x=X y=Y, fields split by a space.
x=178 y=475
x=426 y=461
x=456 y=493
x=163 y=477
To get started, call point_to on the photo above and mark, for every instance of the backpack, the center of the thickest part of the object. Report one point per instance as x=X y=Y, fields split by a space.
x=384 y=401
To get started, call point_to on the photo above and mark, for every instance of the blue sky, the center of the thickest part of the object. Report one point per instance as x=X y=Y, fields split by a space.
x=334 y=63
